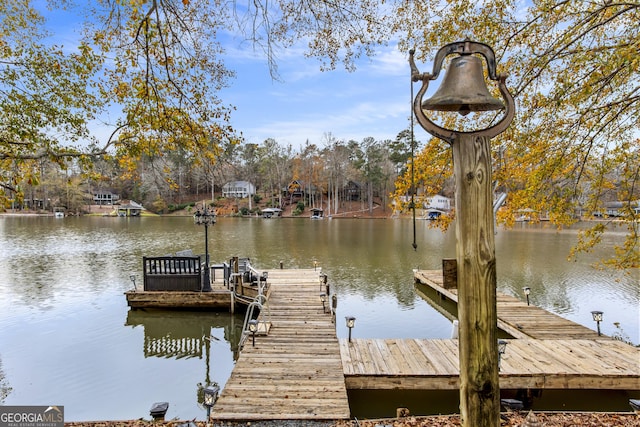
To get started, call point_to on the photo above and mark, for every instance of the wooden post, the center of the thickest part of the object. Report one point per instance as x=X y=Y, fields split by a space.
x=476 y=262
x=475 y=249
x=449 y=273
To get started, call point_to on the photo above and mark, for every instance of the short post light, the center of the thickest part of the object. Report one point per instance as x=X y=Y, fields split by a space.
x=502 y=349
x=159 y=410
x=351 y=322
x=527 y=291
x=205 y=215
x=597 y=317
x=463 y=90
x=253 y=328
x=323 y=283
x=133 y=280
x=323 y=298
x=210 y=397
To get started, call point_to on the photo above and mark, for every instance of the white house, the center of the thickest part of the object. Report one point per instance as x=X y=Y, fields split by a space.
x=240 y=189
x=615 y=209
x=438 y=202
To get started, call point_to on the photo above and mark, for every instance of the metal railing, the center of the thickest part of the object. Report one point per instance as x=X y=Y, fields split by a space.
x=259 y=302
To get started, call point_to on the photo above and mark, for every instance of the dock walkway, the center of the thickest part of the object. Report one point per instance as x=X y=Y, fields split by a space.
x=420 y=364
x=515 y=317
x=294 y=372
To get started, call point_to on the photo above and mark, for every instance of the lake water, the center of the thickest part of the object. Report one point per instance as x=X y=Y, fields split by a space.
x=68 y=338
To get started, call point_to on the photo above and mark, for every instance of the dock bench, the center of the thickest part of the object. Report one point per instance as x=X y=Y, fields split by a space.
x=172 y=273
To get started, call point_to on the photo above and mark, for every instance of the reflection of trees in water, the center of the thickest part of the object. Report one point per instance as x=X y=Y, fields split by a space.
x=4 y=385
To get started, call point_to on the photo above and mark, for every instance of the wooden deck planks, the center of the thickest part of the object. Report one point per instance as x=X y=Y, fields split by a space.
x=294 y=372
x=516 y=317
x=300 y=370
x=527 y=363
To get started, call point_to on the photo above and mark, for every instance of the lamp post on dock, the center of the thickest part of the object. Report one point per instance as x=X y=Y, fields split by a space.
x=210 y=397
x=351 y=322
x=205 y=215
x=464 y=90
x=253 y=328
x=597 y=317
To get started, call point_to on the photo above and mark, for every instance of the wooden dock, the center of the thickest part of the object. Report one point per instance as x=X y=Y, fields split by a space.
x=215 y=300
x=419 y=364
x=515 y=317
x=294 y=372
x=299 y=370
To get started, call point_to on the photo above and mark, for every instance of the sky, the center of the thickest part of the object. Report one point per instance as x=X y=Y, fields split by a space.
x=308 y=104
x=305 y=104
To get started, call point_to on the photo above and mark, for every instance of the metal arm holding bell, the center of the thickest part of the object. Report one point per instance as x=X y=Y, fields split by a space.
x=472 y=77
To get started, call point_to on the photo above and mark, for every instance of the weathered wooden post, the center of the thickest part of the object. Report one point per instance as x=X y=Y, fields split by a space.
x=463 y=90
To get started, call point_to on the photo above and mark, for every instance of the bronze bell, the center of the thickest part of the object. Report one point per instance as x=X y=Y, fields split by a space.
x=463 y=89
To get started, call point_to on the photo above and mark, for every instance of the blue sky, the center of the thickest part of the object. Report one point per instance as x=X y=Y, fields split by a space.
x=306 y=103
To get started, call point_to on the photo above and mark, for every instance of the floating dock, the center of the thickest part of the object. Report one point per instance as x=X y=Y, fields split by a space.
x=187 y=300
x=222 y=296
x=419 y=364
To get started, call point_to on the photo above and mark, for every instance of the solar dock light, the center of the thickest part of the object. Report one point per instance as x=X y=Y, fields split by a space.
x=527 y=291
x=253 y=328
x=210 y=397
x=597 y=317
x=351 y=322
x=158 y=410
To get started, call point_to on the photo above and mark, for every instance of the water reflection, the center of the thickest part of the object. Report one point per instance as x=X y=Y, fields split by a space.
x=177 y=335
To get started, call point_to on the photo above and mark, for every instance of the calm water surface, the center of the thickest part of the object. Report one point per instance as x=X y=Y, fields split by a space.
x=67 y=336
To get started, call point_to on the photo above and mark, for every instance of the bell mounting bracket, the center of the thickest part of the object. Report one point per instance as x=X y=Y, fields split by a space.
x=466 y=47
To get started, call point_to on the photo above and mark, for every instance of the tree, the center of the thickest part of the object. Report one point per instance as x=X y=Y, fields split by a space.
x=573 y=69
x=276 y=168
x=370 y=162
x=156 y=60
x=44 y=98
x=401 y=148
x=338 y=166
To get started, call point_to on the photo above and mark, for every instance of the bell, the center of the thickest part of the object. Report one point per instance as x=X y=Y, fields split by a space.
x=463 y=89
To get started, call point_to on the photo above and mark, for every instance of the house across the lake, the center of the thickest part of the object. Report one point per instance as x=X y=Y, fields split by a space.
x=435 y=206
x=105 y=198
x=239 y=189
x=438 y=202
x=616 y=209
